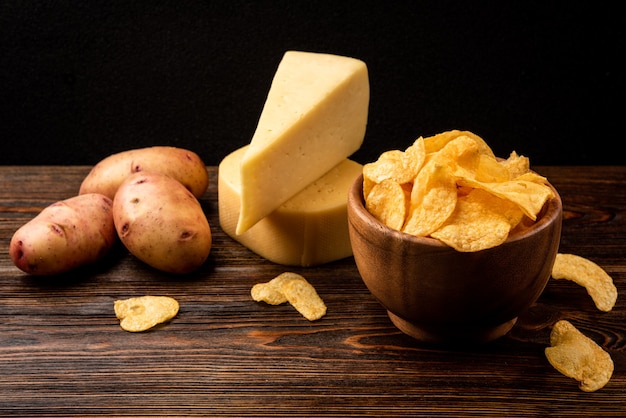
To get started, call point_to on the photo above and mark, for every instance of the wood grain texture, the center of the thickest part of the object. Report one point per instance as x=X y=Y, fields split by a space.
x=63 y=353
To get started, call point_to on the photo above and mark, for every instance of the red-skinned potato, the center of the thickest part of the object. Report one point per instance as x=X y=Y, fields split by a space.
x=181 y=164
x=65 y=235
x=161 y=223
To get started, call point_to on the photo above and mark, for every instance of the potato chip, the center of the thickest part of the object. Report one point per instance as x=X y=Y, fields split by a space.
x=436 y=142
x=588 y=274
x=516 y=165
x=396 y=165
x=530 y=196
x=577 y=356
x=414 y=158
x=386 y=201
x=270 y=292
x=142 y=313
x=433 y=199
x=478 y=222
x=461 y=151
x=389 y=165
x=293 y=288
x=490 y=170
x=303 y=296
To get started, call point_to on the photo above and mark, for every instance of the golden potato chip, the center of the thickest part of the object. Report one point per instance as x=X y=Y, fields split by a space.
x=388 y=165
x=490 y=170
x=303 y=296
x=387 y=202
x=295 y=289
x=414 y=158
x=516 y=165
x=577 y=356
x=142 y=313
x=270 y=292
x=588 y=274
x=478 y=222
x=396 y=165
x=461 y=151
x=436 y=142
x=530 y=196
x=433 y=199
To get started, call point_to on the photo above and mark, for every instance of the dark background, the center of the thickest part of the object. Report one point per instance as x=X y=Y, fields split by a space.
x=80 y=80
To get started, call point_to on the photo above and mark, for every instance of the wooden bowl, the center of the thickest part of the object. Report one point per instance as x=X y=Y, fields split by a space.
x=439 y=295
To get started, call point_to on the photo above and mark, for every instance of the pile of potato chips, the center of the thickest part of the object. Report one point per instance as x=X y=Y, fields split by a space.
x=453 y=188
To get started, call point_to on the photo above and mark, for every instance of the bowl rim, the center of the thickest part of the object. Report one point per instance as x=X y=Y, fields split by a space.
x=550 y=212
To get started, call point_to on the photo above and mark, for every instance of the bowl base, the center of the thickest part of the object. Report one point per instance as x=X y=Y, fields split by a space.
x=462 y=334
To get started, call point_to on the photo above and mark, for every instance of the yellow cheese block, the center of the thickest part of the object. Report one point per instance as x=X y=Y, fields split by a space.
x=314 y=117
x=309 y=229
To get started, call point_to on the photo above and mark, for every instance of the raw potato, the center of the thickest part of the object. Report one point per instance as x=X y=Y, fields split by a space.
x=181 y=164
x=65 y=235
x=161 y=223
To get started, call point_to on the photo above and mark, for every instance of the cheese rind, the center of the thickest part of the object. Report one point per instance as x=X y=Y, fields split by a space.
x=309 y=229
x=314 y=117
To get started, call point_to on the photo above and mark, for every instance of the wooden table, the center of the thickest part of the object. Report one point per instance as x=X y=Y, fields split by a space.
x=63 y=353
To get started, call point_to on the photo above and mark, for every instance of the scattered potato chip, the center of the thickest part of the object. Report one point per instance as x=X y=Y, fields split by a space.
x=443 y=168
x=386 y=201
x=142 y=313
x=293 y=288
x=303 y=296
x=577 y=356
x=478 y=222
x=588 y=274
x=270 y=292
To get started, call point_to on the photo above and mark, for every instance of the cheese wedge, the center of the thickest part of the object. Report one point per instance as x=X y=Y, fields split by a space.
x=309 y=229
x=314 y=117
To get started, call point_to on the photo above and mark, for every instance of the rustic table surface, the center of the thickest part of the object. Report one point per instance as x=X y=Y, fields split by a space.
x=62 y=351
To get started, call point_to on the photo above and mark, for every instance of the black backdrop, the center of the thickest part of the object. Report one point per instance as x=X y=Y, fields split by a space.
x=80 y=80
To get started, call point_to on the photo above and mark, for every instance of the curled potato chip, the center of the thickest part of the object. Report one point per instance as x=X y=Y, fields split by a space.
x=293 y=288
x=489 y=169
x=387 y=202
x=435 y=143
x=433 y=199
x=530 y=196
x=516 y=165
x=142 y=313
x=577 y=356
x=588 y=274
x=461 y=151
x=414 y=158
x=303 y=296
x=270 y=292
x=396 y=165
x=479 y=221
x=389 y=165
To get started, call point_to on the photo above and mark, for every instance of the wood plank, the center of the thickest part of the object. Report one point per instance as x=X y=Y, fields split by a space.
x=62 y=351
